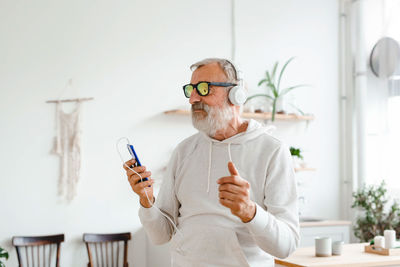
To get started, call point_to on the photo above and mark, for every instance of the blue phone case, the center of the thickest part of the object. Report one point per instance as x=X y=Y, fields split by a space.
x=134 y=156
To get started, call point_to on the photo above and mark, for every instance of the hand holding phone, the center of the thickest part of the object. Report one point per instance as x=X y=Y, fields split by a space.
x=136 y=158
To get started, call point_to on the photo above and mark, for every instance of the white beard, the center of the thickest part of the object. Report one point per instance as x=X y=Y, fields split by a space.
x=217 y=118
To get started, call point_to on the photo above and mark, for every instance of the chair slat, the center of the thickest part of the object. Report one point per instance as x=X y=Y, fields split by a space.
x=125 y=253
x=112 y=254
x=50 y=247
x=33 y=262
x=118 y=254
x=97 y=255
x=106 y=244
x=44 y=255
x=38 y=256
x=102 y=254
x=26 y=255
x=91 y=258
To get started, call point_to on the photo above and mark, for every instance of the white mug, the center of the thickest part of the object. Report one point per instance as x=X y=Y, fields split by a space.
x=323 y=246
x=337 y=247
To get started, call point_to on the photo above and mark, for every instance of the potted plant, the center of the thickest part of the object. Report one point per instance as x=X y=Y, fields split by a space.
x=3 y=254
x=374 y=219
x=273 y=90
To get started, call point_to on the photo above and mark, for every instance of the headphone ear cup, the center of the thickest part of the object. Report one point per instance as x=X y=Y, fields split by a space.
x=237 y=95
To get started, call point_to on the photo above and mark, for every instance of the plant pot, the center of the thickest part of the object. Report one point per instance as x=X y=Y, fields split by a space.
x=258 y=104
x=297 y=162
x=281 y=105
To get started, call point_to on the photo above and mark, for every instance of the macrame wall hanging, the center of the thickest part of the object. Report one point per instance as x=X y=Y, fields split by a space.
x=67 y=145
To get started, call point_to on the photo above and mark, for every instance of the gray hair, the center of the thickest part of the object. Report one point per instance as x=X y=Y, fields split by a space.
x=227 y=66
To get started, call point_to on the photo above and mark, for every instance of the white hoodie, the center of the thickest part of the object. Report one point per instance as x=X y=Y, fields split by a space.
x=211 y=234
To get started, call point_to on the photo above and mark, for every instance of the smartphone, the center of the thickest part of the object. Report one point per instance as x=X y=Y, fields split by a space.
x=135 y=157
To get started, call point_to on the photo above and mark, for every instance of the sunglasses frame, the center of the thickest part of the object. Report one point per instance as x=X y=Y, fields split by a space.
x=209 y=83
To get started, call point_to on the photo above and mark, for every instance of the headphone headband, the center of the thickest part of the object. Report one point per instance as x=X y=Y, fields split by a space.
x=237 y=95
x=236 y=69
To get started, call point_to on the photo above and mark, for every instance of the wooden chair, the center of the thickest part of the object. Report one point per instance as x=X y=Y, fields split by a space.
x=38 y=250
x=107 y=250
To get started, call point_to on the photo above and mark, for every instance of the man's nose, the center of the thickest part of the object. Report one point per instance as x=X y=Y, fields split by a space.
x=194 y=97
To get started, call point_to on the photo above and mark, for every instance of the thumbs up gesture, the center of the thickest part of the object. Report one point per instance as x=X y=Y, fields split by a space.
x=234 y=194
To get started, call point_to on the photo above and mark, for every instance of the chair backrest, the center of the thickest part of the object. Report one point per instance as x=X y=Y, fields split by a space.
x=38 y=250
x=107 y=250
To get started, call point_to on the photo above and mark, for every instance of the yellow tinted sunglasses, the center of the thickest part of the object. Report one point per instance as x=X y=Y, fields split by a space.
x=203 y=88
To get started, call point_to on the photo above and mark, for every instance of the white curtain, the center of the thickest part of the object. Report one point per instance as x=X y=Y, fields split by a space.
x=376 y=100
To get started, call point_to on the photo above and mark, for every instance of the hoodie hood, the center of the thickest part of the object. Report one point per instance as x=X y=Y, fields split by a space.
x=254 y=129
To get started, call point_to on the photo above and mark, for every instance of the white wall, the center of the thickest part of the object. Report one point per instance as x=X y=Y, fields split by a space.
x=133 y=57
x=277 y=30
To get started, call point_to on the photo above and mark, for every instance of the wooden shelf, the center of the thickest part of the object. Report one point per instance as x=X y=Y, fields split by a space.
x=260 y=116
x=281 y=117
x=177 y=112
x=304 y=169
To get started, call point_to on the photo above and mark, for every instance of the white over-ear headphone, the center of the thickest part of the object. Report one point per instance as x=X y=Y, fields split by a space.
x=237 y=94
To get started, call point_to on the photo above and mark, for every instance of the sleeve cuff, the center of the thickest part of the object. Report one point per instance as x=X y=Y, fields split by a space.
x=258 y=224
x=148 y=214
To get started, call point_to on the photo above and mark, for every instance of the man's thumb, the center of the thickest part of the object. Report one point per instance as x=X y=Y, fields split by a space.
x=232 y=168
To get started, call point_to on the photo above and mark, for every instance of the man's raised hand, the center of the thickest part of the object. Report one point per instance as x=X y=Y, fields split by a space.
x=234 y=193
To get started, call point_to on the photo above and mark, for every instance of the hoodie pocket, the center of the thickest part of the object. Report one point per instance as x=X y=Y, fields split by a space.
x=214 y=245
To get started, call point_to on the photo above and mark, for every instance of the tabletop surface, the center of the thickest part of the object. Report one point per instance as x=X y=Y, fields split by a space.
x=352 y=255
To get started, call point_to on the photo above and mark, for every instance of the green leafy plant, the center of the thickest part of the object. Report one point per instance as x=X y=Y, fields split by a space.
x=3 y=254
x=374 y=219
x=296 y=152
x=272 y=83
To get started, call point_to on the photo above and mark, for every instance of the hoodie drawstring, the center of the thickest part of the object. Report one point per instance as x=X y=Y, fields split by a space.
x=209 y=168
x=229 y=152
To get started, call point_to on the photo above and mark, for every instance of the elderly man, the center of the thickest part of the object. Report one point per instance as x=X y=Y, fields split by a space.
x=230 y=188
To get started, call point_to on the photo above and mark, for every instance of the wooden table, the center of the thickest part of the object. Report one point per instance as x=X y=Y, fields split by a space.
x=352 y=255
